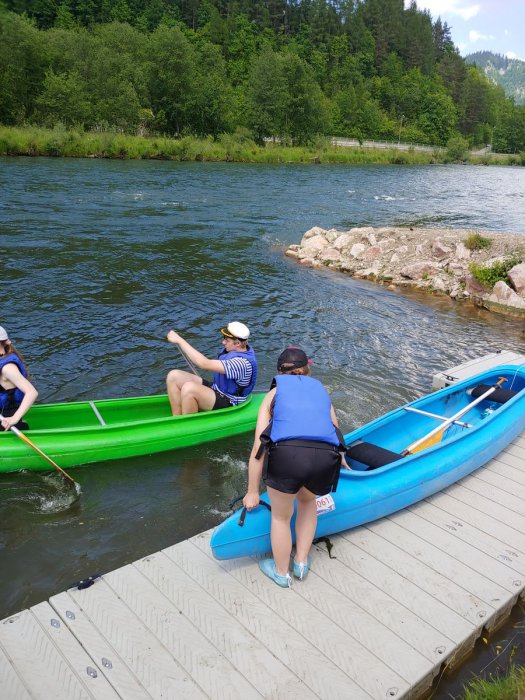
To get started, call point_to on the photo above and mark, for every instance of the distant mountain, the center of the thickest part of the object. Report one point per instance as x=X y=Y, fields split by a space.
x=507 y=72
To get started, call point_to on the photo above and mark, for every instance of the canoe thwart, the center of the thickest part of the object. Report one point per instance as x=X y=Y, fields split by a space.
x=498 y=395
x=435 y=415
x=372 y=456
x=97 y=413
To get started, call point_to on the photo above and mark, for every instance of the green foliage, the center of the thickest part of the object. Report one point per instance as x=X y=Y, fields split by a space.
x=292 y=71
x=507 y=72
x=457 y=148
x=488 y=275
x=475 y=241
x=510 y=687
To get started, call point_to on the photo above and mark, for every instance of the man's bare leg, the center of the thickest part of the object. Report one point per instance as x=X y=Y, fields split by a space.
x=196 y=397
x=175 y=380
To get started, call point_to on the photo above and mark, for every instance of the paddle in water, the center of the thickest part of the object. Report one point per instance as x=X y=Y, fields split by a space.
x=31 y=444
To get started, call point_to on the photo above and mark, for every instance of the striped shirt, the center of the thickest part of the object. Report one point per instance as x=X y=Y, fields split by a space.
x=240 y=370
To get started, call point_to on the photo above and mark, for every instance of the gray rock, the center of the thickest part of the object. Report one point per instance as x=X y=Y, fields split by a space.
x=462 y=252
x=315 y=231
x=503 y=294
x=440 y=250
x=329 y=255
x=316 y=243
x=419 y=270
x=517 y=278
x=357 y=249
x=343 y=240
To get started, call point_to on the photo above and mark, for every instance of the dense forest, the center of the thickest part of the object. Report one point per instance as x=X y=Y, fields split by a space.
x=507 y=72
x=284 y=69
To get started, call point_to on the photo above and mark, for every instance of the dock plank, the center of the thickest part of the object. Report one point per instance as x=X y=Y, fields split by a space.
x=104 y=656
x=447 y=591
x=465 y=564
x=465 y=532
x=491 y=477
x=489 y=507
x=506 y=498
x=244 y=582
x=509 y=466
x=365 y=630
x=332 y=641
x=464 y=511
x=81 y=663
x=408 y=594
x=517 y=449
x=214 y=674
x=256 y=642
x=146 y=656
x=11 y=683
x=429 y=641
x=36 y=658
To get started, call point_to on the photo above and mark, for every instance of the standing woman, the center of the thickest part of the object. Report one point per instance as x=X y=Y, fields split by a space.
x=297 y=429
x=17 y=394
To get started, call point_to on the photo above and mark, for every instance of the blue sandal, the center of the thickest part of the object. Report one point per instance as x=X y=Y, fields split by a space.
x=300 y=569
x=267 y=566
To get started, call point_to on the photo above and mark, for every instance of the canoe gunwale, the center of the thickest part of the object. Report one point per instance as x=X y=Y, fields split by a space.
x=99 y=428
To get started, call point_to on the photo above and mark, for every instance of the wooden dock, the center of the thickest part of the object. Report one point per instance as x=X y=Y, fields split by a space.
x=405 y=597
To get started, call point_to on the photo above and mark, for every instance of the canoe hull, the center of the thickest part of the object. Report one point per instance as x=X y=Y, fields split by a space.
x=364 y=496
x=135 y=427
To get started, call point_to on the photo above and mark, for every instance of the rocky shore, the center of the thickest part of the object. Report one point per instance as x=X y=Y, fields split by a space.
x=437 y=260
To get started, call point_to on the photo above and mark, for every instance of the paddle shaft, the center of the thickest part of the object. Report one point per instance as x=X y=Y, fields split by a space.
x=188 y=361
x=451 y=420
x=42 y=454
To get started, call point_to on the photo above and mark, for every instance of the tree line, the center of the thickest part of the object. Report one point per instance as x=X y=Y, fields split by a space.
x=284 y=69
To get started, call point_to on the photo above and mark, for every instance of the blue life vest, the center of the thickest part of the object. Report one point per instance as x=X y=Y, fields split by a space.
x=11 y=397
x=229 y=387
x=302 y=411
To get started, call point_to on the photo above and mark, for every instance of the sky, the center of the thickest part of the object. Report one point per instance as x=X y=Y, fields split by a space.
x=482 y=25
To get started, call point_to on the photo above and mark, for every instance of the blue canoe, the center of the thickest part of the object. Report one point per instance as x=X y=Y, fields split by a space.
x=385 y=478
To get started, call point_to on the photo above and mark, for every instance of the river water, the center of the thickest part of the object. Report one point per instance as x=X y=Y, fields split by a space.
x=101 y=258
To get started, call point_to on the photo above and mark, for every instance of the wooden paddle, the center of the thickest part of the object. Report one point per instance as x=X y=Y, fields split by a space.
x=436 y=435
x=31 y=444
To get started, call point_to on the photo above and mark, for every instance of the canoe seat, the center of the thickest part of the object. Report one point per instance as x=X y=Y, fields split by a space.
x=498 y=395
x=372 y=456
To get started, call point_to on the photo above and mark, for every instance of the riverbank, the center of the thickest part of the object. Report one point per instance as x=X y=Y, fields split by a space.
x=510 y=687
x=237 y=147
x=485 y=267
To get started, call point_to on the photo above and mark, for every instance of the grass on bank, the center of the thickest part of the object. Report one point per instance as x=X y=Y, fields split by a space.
x=237 y=147
x=510 y=687
x=498 y=271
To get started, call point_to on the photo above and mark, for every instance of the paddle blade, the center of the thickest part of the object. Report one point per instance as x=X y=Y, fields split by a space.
x=430 y=442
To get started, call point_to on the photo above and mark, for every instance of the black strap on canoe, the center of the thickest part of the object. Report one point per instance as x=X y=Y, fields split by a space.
x=245 y=510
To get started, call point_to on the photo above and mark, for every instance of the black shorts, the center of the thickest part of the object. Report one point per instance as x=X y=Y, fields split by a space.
x=221 y=401
x=291 y=466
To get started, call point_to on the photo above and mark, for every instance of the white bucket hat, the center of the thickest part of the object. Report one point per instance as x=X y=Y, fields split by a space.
x=3 y=334
x=236 y=330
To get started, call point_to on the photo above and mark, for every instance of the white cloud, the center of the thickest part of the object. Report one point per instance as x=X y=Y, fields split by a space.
x=474 y=36
x=466 y=13
x=512 y=55
x=438 y=8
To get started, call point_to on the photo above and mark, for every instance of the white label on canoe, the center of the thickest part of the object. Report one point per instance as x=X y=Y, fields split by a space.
x=324 y=504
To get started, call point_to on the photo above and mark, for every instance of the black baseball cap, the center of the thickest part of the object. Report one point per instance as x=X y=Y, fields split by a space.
x=292 y=358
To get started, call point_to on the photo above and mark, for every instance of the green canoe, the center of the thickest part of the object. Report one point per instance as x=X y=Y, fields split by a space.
x=94 y=431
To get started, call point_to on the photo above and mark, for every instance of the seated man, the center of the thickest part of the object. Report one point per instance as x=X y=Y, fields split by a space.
x=235 y=372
